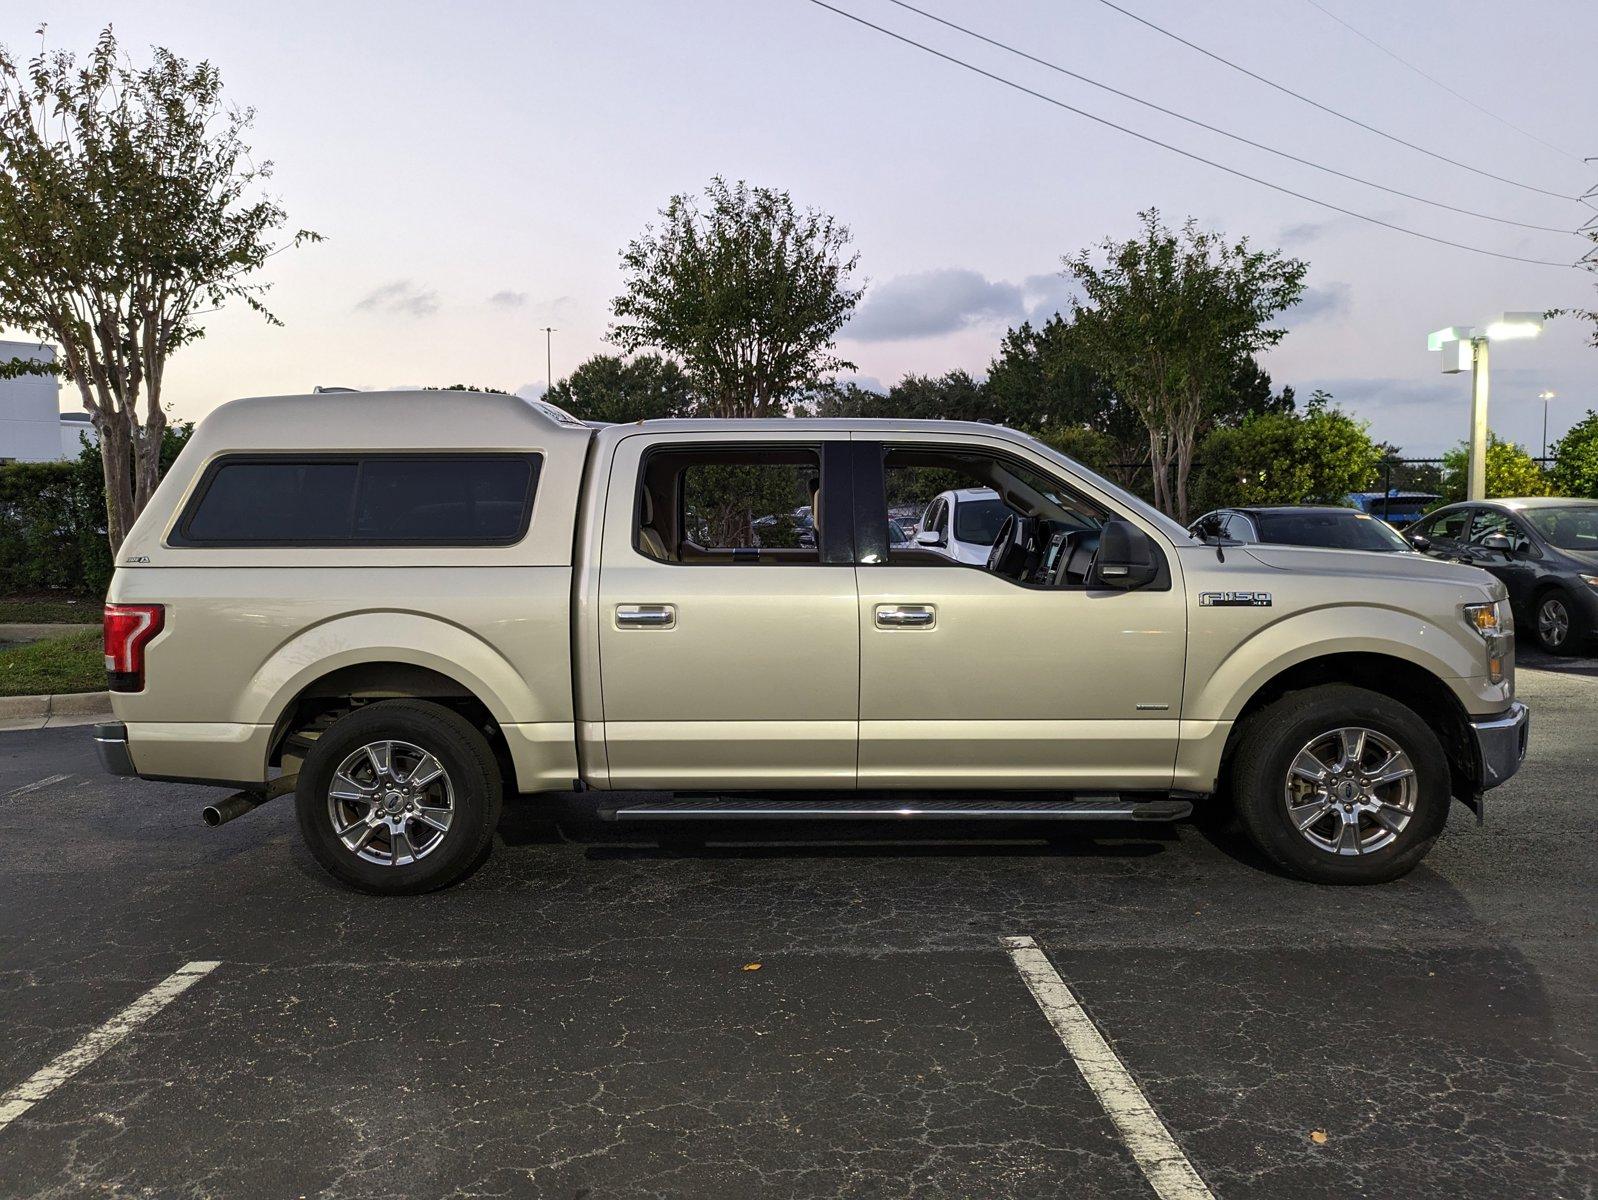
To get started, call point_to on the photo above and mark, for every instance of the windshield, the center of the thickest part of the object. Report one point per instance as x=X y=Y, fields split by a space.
x=978 y=521
x=1339 y=531
x=1572 y=528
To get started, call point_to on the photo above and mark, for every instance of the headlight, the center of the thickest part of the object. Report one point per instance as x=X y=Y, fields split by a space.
x=1590 y=580
x=1487 y=620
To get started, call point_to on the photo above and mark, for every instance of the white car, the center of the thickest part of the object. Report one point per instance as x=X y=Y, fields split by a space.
x=962 y=524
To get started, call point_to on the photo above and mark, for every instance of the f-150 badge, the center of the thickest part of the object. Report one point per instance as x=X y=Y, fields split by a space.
x=1234 y=599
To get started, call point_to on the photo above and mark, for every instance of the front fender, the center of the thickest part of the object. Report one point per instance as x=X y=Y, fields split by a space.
x=1231 y=669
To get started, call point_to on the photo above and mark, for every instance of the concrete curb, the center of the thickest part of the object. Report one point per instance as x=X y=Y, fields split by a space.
x=69 y=704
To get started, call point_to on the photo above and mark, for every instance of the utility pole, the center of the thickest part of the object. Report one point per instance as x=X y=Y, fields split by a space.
x=549 y=357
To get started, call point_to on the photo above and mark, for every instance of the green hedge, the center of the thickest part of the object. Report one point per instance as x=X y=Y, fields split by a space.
x=52 y=528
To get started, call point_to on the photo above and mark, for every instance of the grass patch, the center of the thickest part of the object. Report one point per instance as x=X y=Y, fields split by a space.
x=48 y=610
x=75 y=663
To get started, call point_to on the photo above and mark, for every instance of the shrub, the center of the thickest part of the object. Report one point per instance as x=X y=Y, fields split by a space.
x=1576 y=459
x=1511 y=471
x=1319 y=456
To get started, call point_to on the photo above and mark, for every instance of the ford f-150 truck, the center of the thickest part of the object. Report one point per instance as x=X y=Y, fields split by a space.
x=400 y=606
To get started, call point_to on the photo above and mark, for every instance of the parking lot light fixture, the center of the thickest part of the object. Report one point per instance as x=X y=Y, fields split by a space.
x=1465 y=346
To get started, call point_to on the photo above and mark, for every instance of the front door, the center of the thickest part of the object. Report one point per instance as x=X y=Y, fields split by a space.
x=729 y=656
x=981 y=679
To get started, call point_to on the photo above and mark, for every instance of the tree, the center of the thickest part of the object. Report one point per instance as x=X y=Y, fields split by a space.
x=467 y=387
x=955 y=396
x=1043 y=379
x=1319 y=456
x=611 y=388
x=127 y=210
x=1576 y=459
x=1588 y=261
x=1168 y=319
x=746 y=292
x=1511 y=471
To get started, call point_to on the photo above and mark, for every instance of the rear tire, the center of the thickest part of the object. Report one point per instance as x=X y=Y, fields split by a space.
x=399 y=797
x=1338 y=784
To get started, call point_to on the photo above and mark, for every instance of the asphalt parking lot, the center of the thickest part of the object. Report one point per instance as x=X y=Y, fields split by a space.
x=580 y=1019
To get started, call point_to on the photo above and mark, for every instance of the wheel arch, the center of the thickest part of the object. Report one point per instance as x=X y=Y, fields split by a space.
x=1387 y=674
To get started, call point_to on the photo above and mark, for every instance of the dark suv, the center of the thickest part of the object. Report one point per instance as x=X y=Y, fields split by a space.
x=1545 y=549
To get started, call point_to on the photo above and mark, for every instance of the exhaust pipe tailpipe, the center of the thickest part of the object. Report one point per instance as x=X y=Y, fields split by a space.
x=240 y=803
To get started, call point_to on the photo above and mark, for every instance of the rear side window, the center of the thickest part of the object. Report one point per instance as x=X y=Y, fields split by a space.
x=367 y=500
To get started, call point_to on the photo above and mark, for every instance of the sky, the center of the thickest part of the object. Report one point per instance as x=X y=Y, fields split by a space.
x=476 y=168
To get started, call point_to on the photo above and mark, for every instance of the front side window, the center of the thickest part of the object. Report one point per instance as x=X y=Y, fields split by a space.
x=1487 y=522
x=365 y=500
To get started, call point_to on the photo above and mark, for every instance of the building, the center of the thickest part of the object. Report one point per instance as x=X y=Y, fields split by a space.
x=32 y=426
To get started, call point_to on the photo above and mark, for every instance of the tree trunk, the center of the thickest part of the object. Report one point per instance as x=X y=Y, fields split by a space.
x=116 y=462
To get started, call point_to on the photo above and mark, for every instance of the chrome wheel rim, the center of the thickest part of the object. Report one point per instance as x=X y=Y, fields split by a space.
x=1553 y=621
x=391 y=803
x=1350 y=791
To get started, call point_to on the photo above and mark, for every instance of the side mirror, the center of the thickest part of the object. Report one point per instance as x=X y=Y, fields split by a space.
x=1419 y=540
x=929 y=537
x=1126 y=557
x=1499 y=542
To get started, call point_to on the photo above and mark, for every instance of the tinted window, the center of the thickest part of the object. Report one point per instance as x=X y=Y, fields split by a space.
x=380 y=500
x=275 y=502
x=1339 y=531
x=1449 y=527
x=1487 y=521
x=442 y=500
x=978 y=521
x=1572 y=528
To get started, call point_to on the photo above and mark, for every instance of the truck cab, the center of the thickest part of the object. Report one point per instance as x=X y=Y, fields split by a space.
x=400 y=612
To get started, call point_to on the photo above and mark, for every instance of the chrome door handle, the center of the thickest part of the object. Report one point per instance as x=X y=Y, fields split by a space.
x=905 y=616
x=646 y=616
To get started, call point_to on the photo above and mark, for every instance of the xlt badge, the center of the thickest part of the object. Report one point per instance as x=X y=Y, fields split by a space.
x=1234 y=599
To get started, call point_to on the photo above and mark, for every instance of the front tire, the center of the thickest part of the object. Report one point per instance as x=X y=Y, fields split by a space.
x=399 y=797
x=1557 y=626
x=1339 y=784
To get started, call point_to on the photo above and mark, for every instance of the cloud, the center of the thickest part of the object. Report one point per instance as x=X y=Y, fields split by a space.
x=1302 y=233
x=401 y=296
x=1047 y=295
x=508 y=299
x=929 y=303
x=1332 y=300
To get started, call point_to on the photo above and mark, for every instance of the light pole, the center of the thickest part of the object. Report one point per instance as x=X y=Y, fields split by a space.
x=1465 y=347
x=549 y=358
x=1545 y=397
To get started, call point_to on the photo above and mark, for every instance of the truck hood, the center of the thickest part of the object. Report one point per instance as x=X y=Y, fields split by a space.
x=1373 y=564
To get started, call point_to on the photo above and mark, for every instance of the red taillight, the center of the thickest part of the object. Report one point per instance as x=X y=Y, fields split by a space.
x=128 y=630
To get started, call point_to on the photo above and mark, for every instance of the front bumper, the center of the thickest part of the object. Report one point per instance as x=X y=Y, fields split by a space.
x=1501 y=744
x=111 y=743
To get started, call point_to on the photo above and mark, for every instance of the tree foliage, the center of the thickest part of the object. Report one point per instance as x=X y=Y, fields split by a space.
x=611 y=388
x=1318 y=456
x=1168 y=318
x=1589 y=261
x=127 y=208
x=1576 y=459
x=745 y=291
x=1511 y=471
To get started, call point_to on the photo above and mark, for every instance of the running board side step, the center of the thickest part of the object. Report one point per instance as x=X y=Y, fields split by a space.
x=1097 y=808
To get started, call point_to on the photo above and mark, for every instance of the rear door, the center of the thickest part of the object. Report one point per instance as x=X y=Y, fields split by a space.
x=729 y=652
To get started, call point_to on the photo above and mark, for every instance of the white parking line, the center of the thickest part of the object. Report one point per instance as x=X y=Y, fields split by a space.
x=36 y=785
x=1145 y=1135
x=67 y=1064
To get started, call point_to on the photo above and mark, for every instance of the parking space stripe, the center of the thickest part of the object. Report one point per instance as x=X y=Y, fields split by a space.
x=33 y=787
x=67 y=1064
x=1155 y=1150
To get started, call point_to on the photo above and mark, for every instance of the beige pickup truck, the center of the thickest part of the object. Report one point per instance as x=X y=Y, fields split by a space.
x=401 y=606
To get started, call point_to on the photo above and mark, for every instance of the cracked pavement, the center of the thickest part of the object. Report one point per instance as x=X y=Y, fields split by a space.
x=575 y=1020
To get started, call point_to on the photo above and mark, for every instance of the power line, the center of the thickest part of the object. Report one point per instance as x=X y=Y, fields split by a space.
x=1396 y=57
x=1275 y=187
x=1236 y=137
x=1285 y=90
